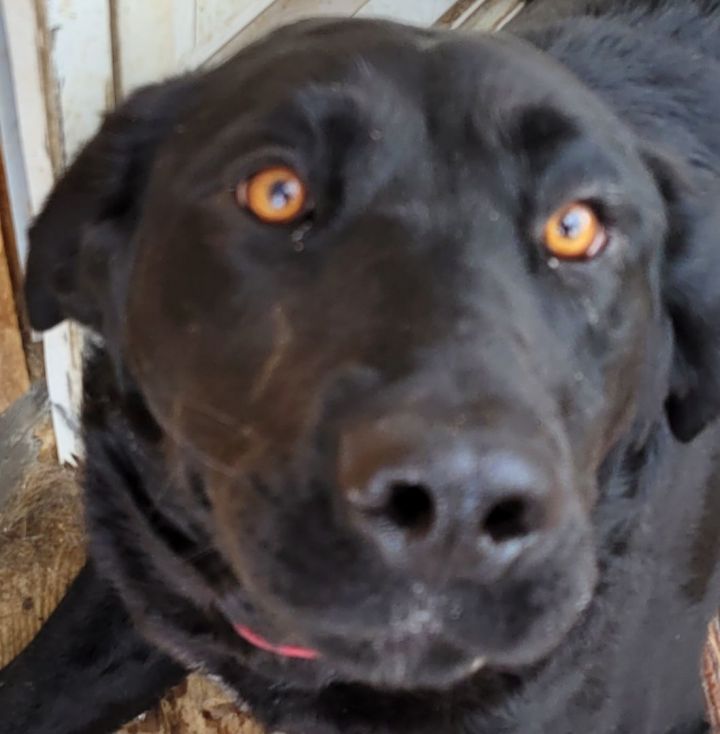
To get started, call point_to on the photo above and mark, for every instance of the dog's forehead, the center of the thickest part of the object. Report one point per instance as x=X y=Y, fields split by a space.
x=375 y=60
x=435 y=92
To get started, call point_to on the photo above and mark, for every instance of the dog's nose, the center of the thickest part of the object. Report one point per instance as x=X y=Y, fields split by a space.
x=438 y=498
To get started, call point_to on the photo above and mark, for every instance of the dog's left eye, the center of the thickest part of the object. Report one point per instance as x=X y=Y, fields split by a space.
x=574 y=232
x=276 y=195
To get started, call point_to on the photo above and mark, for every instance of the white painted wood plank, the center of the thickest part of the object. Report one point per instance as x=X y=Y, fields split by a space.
x=152 y=35
x=11 y=145
x=81 y=61
x=417 y=12
x=214 y=17
x=23 y=43
x=185 y=27
x=63 y=370
x=162 y=38
x=280 y=13
x=217 y=23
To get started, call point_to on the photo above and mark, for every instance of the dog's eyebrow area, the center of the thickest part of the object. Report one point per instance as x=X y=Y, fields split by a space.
x=326 y=125
x=363 y=105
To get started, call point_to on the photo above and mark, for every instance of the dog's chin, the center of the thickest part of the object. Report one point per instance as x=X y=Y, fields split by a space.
x=410 y=664
x=433 y=658
x=437 y=663
x=413 y=664
x=414 y=639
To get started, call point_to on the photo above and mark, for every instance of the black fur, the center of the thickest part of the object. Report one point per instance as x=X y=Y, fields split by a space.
x=243 y=367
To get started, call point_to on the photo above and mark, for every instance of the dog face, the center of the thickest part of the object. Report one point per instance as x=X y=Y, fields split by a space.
x=393 y=298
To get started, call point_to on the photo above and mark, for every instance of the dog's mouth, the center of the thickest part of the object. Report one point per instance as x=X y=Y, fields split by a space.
x=417 y=661
x=422 y=642
x=414 y=652
x=426 y=645
x=415 y=638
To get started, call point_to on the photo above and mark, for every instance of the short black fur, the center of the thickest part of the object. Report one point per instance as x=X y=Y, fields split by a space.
x=411 y=332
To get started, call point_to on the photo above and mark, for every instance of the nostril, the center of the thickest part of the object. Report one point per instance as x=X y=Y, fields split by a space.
x=511 y=519
x=410 y=507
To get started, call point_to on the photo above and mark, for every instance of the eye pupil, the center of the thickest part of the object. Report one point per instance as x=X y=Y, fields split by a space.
x=573 y=224
x=282 y=193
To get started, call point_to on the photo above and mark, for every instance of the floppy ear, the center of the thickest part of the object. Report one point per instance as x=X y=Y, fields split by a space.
x=90 y=215
x=691 y=292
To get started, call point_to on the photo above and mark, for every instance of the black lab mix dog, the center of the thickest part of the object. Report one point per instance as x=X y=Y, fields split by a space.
x=401 y=416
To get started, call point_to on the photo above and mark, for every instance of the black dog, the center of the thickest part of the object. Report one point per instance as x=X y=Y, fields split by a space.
x=403 y=418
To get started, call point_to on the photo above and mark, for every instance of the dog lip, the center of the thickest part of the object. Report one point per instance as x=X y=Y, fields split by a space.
x=286 y=651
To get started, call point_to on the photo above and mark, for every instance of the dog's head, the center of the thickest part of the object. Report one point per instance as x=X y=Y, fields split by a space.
x=394 y=297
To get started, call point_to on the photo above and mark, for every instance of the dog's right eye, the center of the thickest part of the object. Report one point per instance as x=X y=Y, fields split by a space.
x=574 y=232
x=276 y=195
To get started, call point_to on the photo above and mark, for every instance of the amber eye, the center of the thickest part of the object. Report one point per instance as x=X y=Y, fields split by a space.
x=276 y=195
x=574 y=232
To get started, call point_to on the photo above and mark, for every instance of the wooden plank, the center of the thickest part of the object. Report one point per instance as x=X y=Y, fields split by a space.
x=280 y=13
x=217 y=23
x=80 y=74
x=493 y=14
x=155 y=40
x=14 y=379
x=23 y=40
x=220 y=19
x=17 y=194
x=460 y=11
x=417 y=12
x=151 y=38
